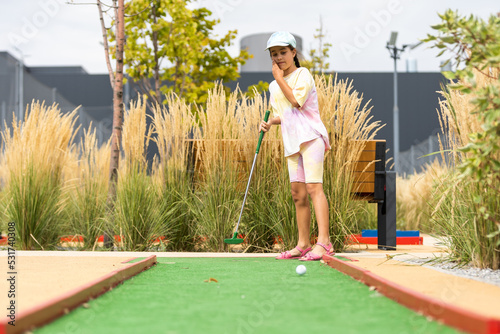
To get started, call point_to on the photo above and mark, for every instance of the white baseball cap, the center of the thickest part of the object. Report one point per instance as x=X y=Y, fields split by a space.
x=281 y=38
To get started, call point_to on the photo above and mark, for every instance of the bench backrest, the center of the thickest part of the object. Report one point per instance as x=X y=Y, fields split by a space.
x=369 y=178
x=369 y=169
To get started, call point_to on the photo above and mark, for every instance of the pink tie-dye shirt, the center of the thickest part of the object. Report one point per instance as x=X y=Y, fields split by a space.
x=298 y=125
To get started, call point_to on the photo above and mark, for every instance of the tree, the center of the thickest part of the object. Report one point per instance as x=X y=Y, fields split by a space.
x=117 y=97
x=172 y=45
x=319 y=57
x=475 y=46
x=116 y=80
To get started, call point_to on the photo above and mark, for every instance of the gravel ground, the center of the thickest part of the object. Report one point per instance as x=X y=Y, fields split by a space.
x=483 y=275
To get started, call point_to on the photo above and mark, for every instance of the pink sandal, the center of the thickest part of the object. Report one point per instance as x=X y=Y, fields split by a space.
x=314 y=257
x=288 y=254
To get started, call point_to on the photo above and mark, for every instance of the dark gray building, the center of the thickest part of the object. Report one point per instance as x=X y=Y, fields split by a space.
x=73 y=86
x=69 y=87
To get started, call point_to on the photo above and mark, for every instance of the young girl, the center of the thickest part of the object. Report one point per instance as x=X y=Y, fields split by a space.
x=295 y=107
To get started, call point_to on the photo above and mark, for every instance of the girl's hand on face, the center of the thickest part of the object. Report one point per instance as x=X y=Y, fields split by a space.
x=277 y=72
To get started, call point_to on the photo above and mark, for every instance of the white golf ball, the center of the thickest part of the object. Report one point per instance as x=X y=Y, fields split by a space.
x=301 y=269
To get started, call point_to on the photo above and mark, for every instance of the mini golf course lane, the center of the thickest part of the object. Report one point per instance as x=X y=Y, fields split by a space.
x=241 y=295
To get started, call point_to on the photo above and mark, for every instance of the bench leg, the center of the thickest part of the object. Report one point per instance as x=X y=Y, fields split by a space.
x=386 y=222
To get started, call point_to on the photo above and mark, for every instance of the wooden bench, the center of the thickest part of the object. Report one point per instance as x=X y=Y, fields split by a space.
x=376 y=185
x=227 y=149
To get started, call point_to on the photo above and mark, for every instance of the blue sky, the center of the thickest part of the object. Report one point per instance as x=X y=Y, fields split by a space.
x=54 y=33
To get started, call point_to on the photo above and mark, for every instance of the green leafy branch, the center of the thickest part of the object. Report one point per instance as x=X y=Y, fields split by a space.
x=475 y=45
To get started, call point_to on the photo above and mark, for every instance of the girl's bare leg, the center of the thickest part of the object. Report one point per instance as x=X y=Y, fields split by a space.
x=320 y=203
x=303 y=210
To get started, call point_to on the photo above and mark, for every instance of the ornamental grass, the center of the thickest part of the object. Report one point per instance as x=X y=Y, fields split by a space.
x=457 y=211
x=189 y=195
x=35 y=152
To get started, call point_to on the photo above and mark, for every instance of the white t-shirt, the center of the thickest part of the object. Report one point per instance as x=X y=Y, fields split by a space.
x=298 y=125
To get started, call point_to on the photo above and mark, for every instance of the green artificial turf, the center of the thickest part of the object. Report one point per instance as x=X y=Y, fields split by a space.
x=252 y=295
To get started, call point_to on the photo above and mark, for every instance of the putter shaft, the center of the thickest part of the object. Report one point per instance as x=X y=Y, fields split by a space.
x=246 y=192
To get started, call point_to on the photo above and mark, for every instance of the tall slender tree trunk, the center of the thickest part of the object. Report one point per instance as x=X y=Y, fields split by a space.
x=156 y=69
x=106 y=45
x=118 y=109
x=117 y=100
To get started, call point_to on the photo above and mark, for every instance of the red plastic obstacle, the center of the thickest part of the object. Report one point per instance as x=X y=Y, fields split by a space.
x=359 y=239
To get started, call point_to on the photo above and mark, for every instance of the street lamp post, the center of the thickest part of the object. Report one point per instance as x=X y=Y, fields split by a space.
x=395 y=54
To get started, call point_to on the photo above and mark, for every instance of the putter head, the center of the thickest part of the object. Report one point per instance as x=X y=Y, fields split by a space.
x=234 y=240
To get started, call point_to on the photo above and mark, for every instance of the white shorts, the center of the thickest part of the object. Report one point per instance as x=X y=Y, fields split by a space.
x=306 y=166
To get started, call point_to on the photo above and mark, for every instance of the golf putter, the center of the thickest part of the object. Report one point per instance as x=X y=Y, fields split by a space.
x=235 y=239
